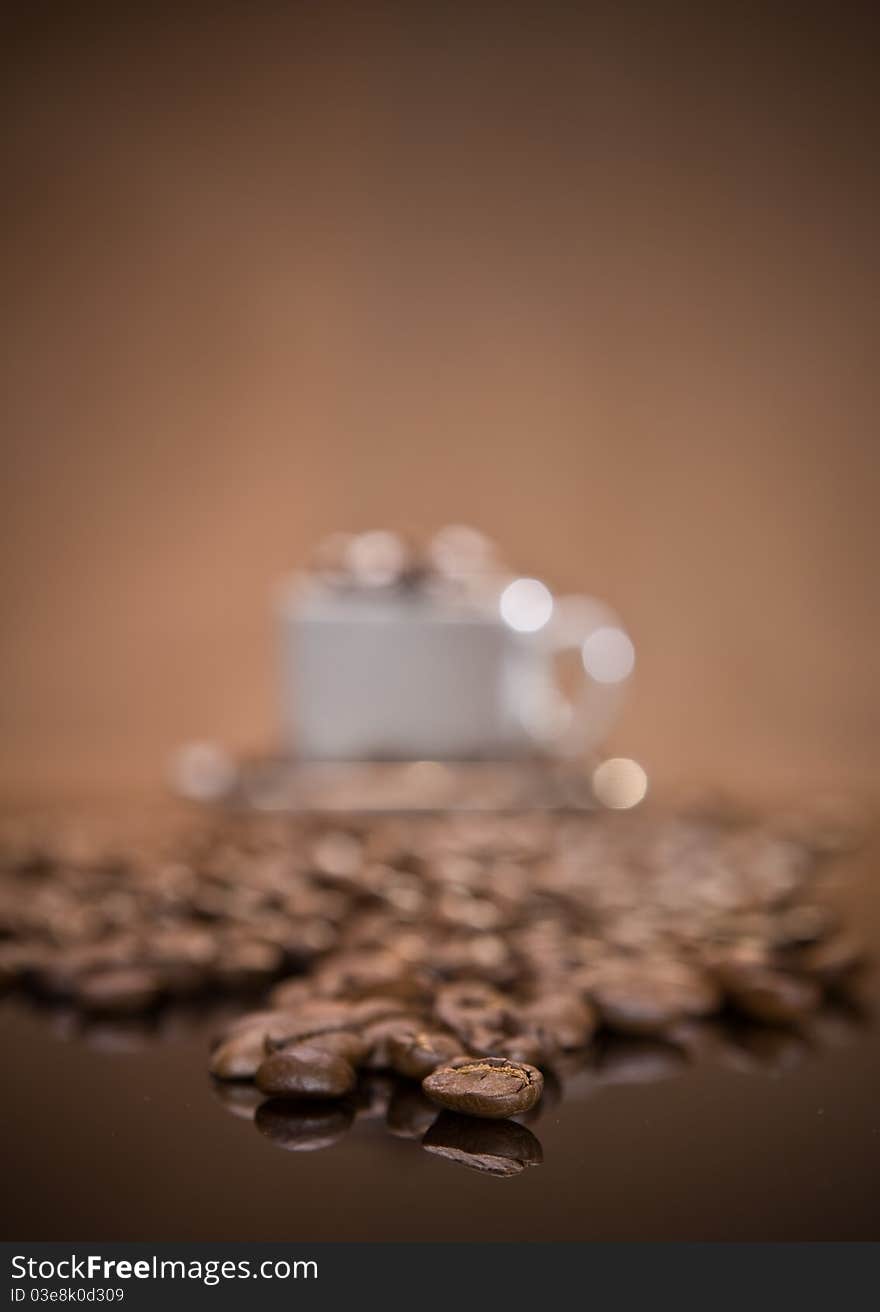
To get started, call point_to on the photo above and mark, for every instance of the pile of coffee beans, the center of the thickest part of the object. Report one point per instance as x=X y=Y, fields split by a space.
x=470 y=956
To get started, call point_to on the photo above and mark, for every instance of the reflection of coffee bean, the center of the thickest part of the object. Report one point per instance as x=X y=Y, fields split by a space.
x=303 y=1128
x=489 y=1086
x=763 y=1049
x=637 y=1061
x=305 y=1072
x=409 y=1112
x=501 y=1148
x=240 y=1099
x=373 y=1095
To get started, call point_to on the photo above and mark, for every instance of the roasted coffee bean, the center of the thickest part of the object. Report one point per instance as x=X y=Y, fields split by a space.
x=766 y=995
x=799 y=925
x=567 y=1018
x=367 y=973
x=354 y=1048
x=470 y=1003
x=250 y=1020
x=498 y=933
x=832 y=959
x=125 y=991
x=380 y=1035
x=531 y=1047
x=287 y=1028
x=490 y=1086
x=290 y=993
x=239 y=1056
x=244 y=965
x=303 y=1127
x=415 y=1054
x=305 y=1071
x=501 y=1148
x=647 y=997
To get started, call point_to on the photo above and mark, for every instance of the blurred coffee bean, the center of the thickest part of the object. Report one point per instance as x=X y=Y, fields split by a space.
x=246 y=964
x=766 y=995
x=353 y=1047
x=437 y=942
x=415 y=1053
x=239 y=1056
x=566 y=1017
x=469 y=1001
x=382 y=1036
x=647 y=997
x=124 y=991
x=501 y=1148
x=491 y=1087
x=833 y=958
x=303 y=1127
x=305 y=1071
x=799 y=925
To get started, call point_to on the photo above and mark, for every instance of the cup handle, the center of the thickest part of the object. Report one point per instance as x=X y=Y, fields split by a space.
x=576 y=725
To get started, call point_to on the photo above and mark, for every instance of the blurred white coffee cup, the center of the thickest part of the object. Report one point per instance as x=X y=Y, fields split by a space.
x=422 y=673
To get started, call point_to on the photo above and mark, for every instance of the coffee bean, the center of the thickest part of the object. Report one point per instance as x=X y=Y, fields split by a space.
x=492 y=1087
x=239 y=1056
x=566 y=1017
x=246 y=964
x=353 y=1047
x=380 y=1035
x=415 y=1054
x=528 y=1047
x=124 y=991
x=303 y=1128
x=647 y=997
x=470 y=1003
x=435 y=942
x=305 y=1071
x=501 y=1148
x=832 y=959
x=766 y=995
x=260 y=1021
x=799 y=925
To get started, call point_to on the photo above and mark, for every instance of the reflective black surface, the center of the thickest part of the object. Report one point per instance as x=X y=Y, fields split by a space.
x=115 y=1133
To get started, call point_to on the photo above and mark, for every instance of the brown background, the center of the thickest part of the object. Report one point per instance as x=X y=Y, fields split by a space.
x=599 y=279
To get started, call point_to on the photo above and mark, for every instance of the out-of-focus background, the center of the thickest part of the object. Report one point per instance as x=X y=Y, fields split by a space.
x=598 y=279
